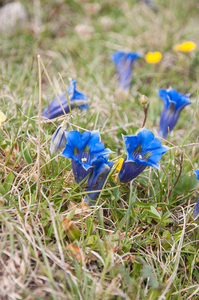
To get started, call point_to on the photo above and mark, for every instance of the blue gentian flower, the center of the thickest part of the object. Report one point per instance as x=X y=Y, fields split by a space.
x=84 y=149
x=76 y=99
x=142 y=150
x=124 y=64
x=97 y=178
x=174 y=102
x=58 y=140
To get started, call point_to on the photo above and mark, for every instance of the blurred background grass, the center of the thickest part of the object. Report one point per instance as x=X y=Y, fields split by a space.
x=146 y=250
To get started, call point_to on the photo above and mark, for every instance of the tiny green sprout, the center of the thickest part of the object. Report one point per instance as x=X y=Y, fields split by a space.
x=71 y=229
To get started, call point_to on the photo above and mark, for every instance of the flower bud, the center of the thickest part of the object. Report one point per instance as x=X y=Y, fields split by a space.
x=177 y=152
x=58 y=140
x=71 y=229
x=143 y=100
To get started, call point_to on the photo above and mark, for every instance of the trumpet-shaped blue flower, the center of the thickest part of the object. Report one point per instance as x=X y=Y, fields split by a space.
x=142 y=150
x=174 y=102
x=76 y=99
x=124 y=64
x=84 y=149
x=97 y=178
x=58 y=140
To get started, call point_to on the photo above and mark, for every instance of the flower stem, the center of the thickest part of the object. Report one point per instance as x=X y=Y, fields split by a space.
x=181 y=161
x=145 y=109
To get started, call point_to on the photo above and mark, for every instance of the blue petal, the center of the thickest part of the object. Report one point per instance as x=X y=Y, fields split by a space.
x=131 y=141
x=168 y=120
x=180 y=99
x=98 y=147
x=86 y=166
x=79 y=100
x=142 y=150
x=124 y=62
x=95 y=137
x=84 y=149
x=79 y=96
x=145 y=138
x=117 y=56
x=130 y=170
x=173 y=94
x=74 y=139
x=79 y=172
x=85 y=138
x=156 y=156
x=103 y=154
x=54 y=109
x=84 y=106
x=197 y=174
x=163 y=94
x=174 y=102
x=184 y=100
x=77 y=142
x=76 y=99
x=68 y=152
x=155 y=143
x=98 y=177
x=71 y=89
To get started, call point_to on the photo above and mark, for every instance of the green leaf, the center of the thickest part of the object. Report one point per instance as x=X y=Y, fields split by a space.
x=185 y=184
x=7 y=184
x=147 y=272
x=154 y=213
x=26 y=153
x=71 y=213
x=142 y=204
x=89 y=226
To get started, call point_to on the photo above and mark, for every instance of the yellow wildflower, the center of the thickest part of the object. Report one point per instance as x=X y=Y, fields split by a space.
x=153 y=57
x=186 y=46
x=119 y=164
x=2 y=117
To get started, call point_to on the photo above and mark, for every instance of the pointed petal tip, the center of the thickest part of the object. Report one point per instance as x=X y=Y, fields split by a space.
x=123 y=136
x=166 y=148
x=86 y=166
x=197 y=174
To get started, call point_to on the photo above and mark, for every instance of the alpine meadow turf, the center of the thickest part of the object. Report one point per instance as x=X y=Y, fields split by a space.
x=138 y=239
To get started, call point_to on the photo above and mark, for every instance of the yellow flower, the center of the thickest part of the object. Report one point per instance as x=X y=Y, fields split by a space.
x=118 y=164
x=153 y=57
x=2 y=117
x=186 y=46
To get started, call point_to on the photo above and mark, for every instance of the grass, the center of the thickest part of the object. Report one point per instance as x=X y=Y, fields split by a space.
x=140 y=240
